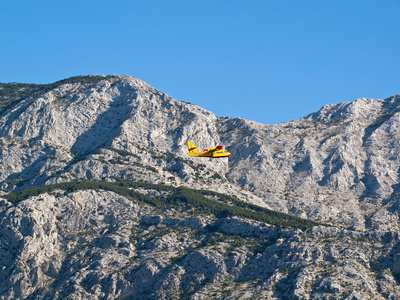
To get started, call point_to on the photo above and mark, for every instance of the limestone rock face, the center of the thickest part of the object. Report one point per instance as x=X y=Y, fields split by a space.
x=115 y=127
x=97 y=244
x=339 y=166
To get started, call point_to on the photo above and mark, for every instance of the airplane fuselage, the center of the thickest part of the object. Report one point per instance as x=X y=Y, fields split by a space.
x=216 y=152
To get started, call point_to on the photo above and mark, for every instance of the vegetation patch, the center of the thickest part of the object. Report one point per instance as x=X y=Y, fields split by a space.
x=181 y=198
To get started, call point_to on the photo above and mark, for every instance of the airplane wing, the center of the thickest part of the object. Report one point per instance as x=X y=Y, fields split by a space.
x=211 y=150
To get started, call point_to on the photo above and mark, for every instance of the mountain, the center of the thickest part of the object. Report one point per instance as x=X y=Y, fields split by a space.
x=100 y=200
x=337 y=165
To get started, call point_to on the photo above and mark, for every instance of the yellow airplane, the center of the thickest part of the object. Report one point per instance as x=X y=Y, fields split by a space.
x=215 y=152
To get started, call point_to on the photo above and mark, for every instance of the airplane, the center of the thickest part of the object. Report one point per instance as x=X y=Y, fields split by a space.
x=215 y=152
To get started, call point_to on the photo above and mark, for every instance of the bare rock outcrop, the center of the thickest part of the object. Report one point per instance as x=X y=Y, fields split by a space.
x=338 y=166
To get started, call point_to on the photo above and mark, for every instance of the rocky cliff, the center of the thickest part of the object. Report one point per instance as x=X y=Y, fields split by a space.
x=333 y=176
x=339 y=165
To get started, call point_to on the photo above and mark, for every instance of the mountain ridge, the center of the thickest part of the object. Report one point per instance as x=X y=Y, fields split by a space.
x=338 y=166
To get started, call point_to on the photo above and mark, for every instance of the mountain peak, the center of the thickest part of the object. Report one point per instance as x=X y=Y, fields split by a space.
x=364 y=110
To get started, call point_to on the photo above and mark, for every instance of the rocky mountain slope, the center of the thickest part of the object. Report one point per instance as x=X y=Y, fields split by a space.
x=141 y=235
x=340 y=164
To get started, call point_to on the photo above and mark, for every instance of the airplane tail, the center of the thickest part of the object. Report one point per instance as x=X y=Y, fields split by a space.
x=192 y=148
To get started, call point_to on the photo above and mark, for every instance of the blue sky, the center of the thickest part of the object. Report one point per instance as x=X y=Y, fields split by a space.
x=269 y=61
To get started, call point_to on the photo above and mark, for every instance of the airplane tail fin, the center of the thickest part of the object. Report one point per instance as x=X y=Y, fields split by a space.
x=192 y=148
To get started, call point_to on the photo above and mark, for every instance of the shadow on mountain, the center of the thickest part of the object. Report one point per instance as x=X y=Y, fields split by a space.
x=369 y=131
x=107 y=127
x=390 y=260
